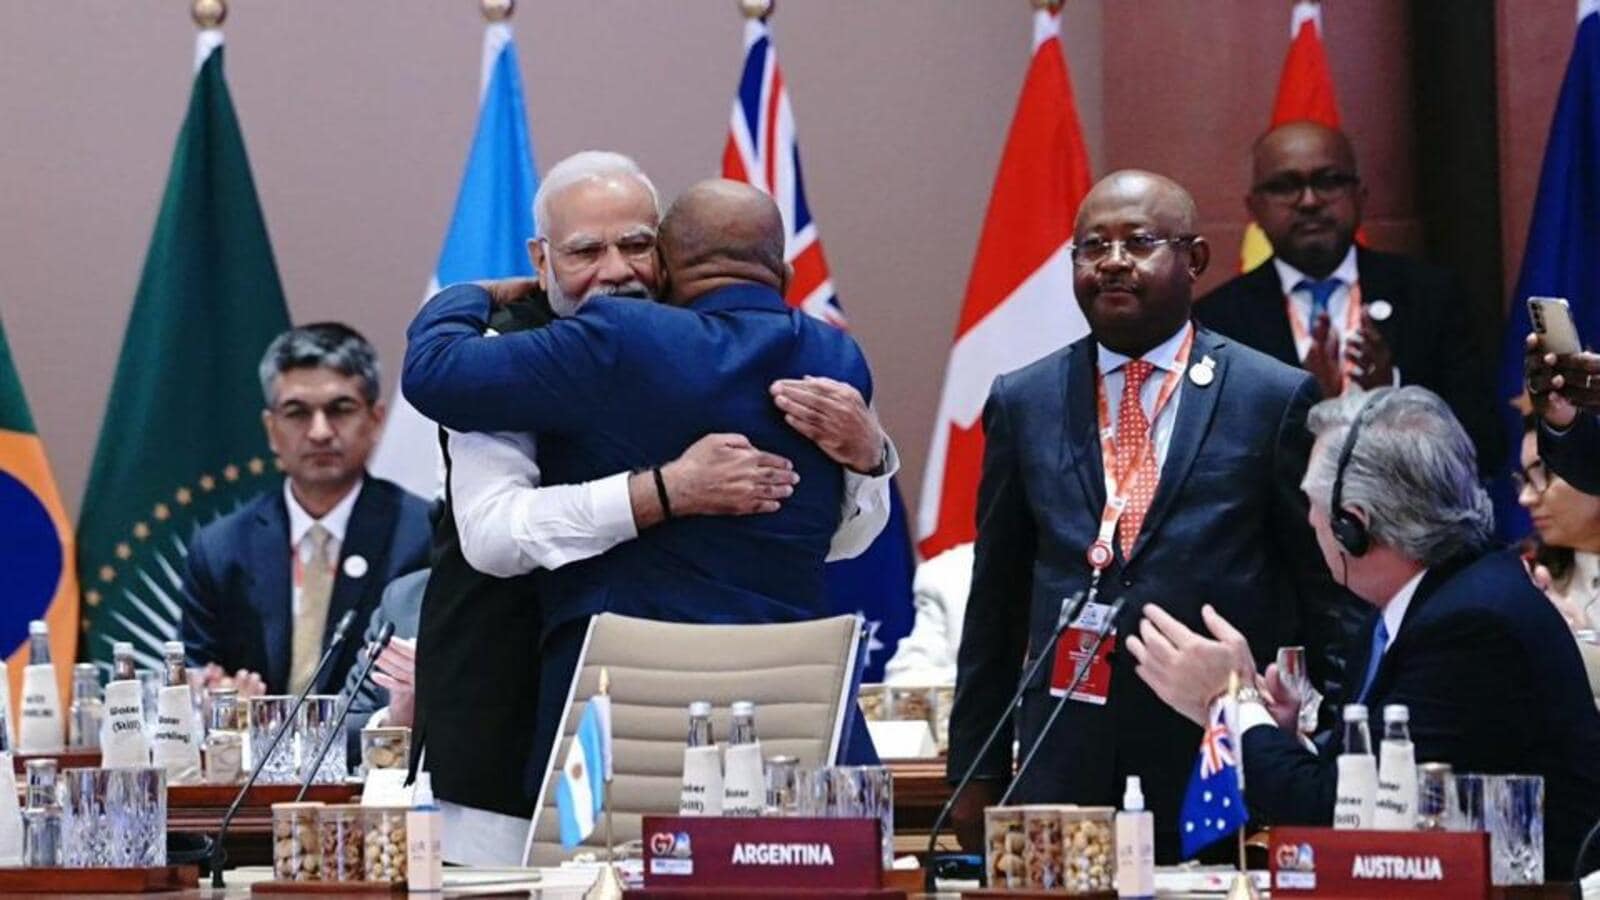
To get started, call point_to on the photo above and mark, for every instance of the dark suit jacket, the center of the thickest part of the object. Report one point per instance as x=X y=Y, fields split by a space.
x=624 y=384
x=400 y=605
x=1227 y=527
x=1430 y=334
x=1575 y=453
x=236 y=582
x=1494 y=683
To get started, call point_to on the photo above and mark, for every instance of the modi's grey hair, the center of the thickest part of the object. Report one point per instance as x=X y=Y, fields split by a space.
x=580 y=167
x=1413 y=471
x=327 y=345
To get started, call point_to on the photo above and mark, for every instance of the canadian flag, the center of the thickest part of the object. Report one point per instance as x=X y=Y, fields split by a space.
x=1019 y=304
x=1305 y=92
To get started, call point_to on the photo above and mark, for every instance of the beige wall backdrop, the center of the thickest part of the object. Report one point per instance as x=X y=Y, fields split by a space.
x=358 y=114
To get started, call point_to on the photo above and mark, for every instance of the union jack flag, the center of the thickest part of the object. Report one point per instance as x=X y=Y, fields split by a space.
x=761 y=151
x=1213 y=806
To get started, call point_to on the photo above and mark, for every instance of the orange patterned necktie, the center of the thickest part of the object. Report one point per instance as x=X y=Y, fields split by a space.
x=1135 y=454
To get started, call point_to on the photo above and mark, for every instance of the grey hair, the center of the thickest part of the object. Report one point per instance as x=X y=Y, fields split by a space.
x=1413 y=471
x=327 y=345
x=581 y=167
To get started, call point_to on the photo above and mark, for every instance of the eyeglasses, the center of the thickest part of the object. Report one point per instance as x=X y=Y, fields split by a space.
x=1536 y=476
x=1328 y=184
x=1138 y=247
x=586 y=253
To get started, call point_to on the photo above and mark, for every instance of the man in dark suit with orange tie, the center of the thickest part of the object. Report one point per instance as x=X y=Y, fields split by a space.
x=1349 y=315
x=1159 y=461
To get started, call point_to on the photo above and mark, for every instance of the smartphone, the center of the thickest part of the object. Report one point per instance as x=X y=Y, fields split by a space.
x=1552 y=322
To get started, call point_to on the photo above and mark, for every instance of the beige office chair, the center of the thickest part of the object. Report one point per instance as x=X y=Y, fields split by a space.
x=800 y=676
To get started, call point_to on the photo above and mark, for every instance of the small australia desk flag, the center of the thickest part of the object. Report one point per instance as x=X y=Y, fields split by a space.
x=581 y=792
x=1213 y=806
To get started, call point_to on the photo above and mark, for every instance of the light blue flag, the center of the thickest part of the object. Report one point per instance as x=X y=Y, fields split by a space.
x=581 y=790
x=488 y=238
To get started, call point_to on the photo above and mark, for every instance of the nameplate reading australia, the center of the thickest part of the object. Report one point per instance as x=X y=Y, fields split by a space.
x=1359 y=865
x=741 y=852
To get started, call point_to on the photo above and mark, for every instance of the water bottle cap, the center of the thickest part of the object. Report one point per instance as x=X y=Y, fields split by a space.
x=700 y=708
x=170 y=647
x=85 y=669
x=1396 y=712
x=122 y=648
x=1133 y=795
x=38 y=626
x=744 y=708
x=1355 y=712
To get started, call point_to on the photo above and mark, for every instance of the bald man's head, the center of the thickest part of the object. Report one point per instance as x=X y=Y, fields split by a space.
x=1135 y=260
x=720 y=232
x=1306 y=195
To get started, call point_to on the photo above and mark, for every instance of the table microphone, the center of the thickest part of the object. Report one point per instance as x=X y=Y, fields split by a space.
x=1070 y=607
x=1100 y=635
x=218 y=855
x=337 y=731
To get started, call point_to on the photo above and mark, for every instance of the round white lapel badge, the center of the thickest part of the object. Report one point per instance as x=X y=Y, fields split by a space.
x=355 y=565
x=1380 y=310
x=1202 y=374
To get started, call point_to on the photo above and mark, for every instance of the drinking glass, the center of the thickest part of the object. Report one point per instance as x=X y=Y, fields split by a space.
x=1467 y=811
x=864 y=792
x=1515 y=813
x=1436 y=797
x=1296 y=683
x=268 y=715
x=114 y=818
x=314 y=726
x=783 y=778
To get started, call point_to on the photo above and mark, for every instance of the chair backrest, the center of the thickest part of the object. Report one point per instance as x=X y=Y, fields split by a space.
x=800 y=676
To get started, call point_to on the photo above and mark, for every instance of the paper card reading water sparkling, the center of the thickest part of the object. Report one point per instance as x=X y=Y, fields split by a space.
x=173 y=745
x=41 y=728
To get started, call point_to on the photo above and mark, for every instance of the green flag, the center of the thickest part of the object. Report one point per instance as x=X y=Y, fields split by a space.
x=182 y=441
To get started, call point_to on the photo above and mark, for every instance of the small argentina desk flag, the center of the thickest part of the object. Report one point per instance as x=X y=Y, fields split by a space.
x=586 y=773
x=1213 y=806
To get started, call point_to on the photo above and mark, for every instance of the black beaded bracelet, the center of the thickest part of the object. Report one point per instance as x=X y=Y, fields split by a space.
x=661 y=493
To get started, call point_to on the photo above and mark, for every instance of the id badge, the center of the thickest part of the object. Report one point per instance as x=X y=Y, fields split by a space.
x=1073 y=651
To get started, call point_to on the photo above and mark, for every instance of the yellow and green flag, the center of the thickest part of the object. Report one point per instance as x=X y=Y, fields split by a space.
x=35 y=540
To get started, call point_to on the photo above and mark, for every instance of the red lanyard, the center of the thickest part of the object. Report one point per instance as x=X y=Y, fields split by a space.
x=1352 y=324
x=1100 y=553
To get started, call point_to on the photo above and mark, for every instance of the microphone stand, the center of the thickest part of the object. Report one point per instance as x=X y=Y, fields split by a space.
x=1069 y=611
x=1103 y=632
x=220 y=856
x=337 y=731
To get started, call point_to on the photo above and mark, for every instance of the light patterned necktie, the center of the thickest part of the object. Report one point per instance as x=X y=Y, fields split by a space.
x=311 y=617
x=1139 y=472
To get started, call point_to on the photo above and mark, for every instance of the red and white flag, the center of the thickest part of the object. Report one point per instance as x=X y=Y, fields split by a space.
x=1305 y=92
x=1019 y=304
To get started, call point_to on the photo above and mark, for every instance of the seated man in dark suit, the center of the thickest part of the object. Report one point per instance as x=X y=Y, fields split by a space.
x=1159 y=462
x=388 y=697
x=622 y=384
x=264 y=586
x=1347 y=314
x=1456 y=631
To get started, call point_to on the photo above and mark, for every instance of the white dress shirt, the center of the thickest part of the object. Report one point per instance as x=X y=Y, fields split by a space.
x=510 y=525
x=336 y=522
x=1164 y=357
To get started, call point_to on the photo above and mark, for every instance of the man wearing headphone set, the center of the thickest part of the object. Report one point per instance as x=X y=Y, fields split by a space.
x=1457 y=632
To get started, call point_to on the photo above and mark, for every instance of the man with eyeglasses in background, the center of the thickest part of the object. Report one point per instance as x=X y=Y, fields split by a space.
x=1349 y=315
x=1160 y=462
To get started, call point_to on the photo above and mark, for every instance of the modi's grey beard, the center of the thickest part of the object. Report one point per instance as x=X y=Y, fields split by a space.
x=563 y=305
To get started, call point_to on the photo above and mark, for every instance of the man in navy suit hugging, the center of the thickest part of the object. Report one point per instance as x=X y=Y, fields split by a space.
x=621 y=385
x=264 y=586
x=1454 y=628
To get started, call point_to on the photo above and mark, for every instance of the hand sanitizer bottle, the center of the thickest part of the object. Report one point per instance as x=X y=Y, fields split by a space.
x=1136 y=844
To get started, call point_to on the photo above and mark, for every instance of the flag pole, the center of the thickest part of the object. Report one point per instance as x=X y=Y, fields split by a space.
x=608 y=886
x=611 y=849
x=1242 y=888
